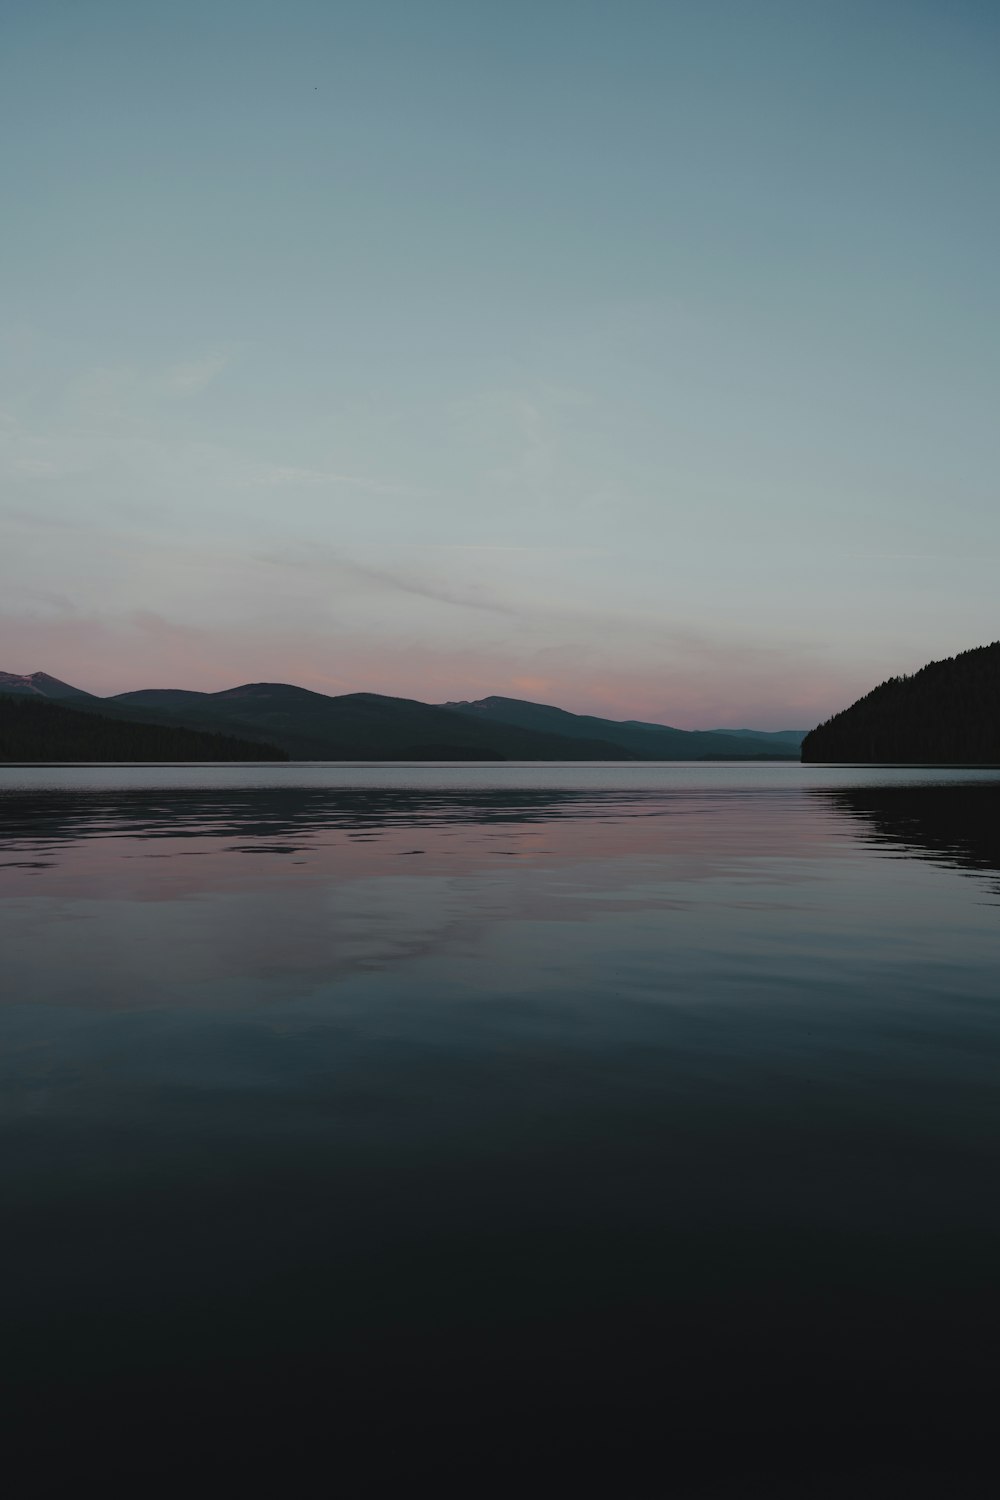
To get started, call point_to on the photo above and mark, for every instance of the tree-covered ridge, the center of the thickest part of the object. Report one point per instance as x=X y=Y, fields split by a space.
x=35 y=729
x=372 y=726
x=947 y=713
x=637 y=740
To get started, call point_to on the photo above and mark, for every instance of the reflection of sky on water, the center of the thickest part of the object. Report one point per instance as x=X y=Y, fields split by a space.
x=678 y=1095
x=239 y=896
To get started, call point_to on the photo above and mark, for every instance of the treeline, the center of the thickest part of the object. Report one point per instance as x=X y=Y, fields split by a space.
x=32 y=729
x=947 y=713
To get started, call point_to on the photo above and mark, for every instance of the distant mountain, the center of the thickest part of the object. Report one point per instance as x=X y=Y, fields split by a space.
x=40 y=685
x=360 y=726
x=776 y=737
x=34 y=727
x=370 y=726
x=948 y=713
x=643 y=741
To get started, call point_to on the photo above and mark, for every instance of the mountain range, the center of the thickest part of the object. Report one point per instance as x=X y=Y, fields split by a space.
x=34 y=727
x=305 y=725
x=947 y=713
x=642 y=741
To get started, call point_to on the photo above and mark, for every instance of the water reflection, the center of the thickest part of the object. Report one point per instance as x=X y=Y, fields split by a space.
x=265 y=892
x=958 y=824
x=544 y=1123
x=955 y=825
x=282 y=812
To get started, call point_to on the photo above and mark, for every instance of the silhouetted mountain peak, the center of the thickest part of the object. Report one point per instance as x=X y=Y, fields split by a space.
x=319 y=726
x=644 y=741
x=39 y=684
x=497 y=705
x=494 y=700
x=267 y=692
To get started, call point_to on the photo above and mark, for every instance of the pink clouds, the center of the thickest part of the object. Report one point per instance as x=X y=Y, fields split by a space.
x=705 y=689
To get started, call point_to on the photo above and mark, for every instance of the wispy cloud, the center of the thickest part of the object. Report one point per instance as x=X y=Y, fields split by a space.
x=112 y=651
x=936 y=557
x=284 y=475
x=394 y=580
x=526 y=550
x=188 y=378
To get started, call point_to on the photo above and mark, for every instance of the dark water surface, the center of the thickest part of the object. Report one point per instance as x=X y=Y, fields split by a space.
x=512 y=1126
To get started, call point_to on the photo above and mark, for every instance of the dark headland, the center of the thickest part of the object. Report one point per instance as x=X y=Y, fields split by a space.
x=948 y=713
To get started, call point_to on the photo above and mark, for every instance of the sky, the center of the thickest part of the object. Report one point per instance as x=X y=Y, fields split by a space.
x=639 y=357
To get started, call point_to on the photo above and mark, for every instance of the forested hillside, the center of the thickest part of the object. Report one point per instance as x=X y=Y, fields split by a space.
x=35 y=729
x=947 y=713
x=358 y=726
x=637 y=740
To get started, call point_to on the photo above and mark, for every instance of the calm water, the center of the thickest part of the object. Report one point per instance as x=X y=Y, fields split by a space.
x=518 y=1123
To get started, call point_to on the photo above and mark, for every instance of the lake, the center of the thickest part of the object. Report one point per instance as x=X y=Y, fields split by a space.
x=502 y=1125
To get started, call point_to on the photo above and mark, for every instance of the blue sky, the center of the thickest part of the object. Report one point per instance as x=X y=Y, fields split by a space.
x=639 y=357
